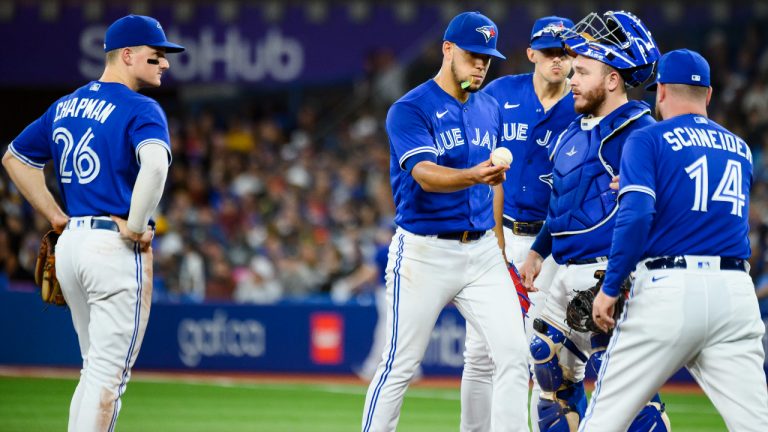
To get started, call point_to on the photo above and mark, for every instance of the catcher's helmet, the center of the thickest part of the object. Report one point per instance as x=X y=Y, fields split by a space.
x=618 y=39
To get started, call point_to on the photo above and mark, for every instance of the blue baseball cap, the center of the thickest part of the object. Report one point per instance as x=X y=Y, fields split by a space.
x=546 y=32
x=682 y=67
x=138 y=30
x=474 y=32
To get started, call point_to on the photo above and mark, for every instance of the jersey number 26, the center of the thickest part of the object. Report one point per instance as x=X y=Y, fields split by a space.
x=85 y=161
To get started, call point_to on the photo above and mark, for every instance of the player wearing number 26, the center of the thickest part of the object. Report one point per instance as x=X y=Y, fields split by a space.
x=110 y=150
x=682 y=225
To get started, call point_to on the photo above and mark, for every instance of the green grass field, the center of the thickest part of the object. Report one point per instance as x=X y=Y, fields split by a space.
x=41 y=404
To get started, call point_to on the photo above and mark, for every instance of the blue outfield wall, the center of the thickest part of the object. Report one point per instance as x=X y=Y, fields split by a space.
x=293 y=338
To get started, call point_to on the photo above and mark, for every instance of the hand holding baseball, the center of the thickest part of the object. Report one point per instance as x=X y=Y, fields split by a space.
x=501 y=157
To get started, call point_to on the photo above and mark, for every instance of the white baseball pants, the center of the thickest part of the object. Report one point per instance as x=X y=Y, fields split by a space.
x=107 y=283
x=707 y=320
x=476 y=380
x=424 y=273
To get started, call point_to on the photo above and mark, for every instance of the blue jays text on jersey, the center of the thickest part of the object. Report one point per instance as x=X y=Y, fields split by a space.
x=87 y=134
x=700 y=175
x=427 y=124
x=527 y=132
x=582 y=205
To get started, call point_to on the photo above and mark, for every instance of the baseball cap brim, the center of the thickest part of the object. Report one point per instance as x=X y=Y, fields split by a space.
x=541 y=43
x=169 y=47
x=482 y=50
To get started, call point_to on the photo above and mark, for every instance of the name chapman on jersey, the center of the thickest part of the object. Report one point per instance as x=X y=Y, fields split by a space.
x=87 y=108
x=453 y=138
x=680 y=137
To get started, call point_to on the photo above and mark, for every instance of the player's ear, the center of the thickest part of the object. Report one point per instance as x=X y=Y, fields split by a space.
x=709 y=94
x=126 y=55
x=530 y=54
x=613 y=81
x=448 y=49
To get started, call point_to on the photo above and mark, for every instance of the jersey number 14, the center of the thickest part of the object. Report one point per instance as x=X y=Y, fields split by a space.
x=85 y=161
x=729 y=189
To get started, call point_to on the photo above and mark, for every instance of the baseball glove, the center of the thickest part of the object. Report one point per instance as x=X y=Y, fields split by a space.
x=578 y=315
x=45 y=270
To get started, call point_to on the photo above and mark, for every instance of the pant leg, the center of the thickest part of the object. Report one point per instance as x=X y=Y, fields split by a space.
x=422 y=276
x=730 y=366
x=77 y=302
x=517 y=248
x=373 y=359
x=489 y=302
x=476 y=383
x=659 y=331
x=118 y=280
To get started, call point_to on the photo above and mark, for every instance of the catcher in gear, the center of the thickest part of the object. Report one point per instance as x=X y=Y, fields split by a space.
x=45 y=270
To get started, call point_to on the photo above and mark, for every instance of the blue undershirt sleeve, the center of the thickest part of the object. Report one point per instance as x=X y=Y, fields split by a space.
x=633 y=223
x=543 y=243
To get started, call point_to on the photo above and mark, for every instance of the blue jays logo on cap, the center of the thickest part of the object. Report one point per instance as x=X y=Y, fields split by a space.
x=138 y=30
x=474 y=32
x=487 y=31
x=682 y=67
x=546 y=32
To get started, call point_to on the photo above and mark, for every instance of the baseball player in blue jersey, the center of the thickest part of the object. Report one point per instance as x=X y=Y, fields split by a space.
x=535 y=108
x=612 y=52
x=684 y=194
x=110 y=150
x=444 y=249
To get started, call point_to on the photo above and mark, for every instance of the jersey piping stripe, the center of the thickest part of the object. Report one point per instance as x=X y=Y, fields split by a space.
x=412 y=152
x=393 y=340
x=638 y=188
x=606 y=359
x=136 y=320
x=25 y=160
x=153 y=141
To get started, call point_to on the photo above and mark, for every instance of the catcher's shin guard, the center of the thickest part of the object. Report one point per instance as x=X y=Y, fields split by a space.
x=653 y=417
x=546 y=343
x=565 y=412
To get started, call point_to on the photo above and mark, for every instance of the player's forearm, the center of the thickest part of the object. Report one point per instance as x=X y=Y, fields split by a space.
x=31 y=183
x=498 y=216
x=148 y=188
x=436 y=178
x=633 y=223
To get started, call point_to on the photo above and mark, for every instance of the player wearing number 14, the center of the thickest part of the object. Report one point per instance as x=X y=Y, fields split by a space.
x=683 y=214
x=110 y=150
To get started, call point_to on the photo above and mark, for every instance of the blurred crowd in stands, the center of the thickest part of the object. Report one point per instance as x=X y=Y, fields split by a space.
x=269 y=202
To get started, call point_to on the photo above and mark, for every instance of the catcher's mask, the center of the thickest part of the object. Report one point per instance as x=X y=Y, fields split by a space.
x=618 y=39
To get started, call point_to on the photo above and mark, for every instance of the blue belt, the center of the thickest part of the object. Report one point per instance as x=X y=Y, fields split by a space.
x=670 y=262
x=100 y=224
x=523 y=228
x=462 y=236
x=594 y=260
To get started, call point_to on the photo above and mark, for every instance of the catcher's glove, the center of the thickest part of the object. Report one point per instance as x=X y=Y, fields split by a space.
x=578 y=315
x=45 y=270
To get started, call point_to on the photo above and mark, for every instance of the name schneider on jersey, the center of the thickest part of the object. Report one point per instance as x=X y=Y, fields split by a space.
x=680 y=137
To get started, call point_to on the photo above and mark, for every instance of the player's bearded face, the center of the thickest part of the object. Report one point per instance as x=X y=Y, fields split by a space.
x=468 y=66
x=588 y=85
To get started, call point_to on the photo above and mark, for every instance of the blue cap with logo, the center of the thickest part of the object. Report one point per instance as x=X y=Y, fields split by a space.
x=546 y=32
x=138 y=30
x=474 y=32
x=682 y=67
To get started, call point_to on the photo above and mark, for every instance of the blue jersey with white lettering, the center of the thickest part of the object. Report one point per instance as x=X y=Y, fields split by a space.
x=528 y=131
x=700 y=175
x=428 y=124
x=93 y=136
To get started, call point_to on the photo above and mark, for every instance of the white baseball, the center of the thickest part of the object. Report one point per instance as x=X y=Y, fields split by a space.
x=501 y=156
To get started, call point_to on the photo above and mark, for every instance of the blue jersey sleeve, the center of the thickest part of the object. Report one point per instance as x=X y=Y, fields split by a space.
x=32 y=146
x=409 y=134
x=149 y=127
x=633 y=223
x=638 y=165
